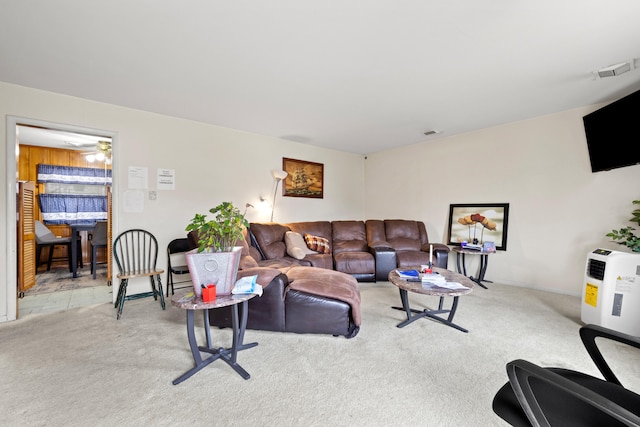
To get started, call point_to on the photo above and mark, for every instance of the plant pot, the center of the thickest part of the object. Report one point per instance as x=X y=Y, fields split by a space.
x=219 y=268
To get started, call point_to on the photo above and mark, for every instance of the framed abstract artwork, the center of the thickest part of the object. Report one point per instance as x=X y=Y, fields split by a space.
x=477 y=223
x=304 y=179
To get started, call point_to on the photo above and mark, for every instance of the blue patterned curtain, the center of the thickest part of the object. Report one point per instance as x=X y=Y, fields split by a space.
x=73 y=175
x=72 y=209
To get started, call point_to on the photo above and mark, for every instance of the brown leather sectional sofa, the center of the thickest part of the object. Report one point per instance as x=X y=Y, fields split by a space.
x=318 y=292
x=367 y=250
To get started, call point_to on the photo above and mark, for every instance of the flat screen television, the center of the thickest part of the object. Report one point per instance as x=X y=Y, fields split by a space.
x=613 y=134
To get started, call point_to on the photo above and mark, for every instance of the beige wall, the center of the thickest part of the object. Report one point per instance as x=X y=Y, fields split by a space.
x=212 y=164
x=559 y=209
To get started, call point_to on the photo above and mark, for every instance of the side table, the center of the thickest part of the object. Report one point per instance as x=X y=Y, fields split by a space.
x=190 y=302
x=482 y=270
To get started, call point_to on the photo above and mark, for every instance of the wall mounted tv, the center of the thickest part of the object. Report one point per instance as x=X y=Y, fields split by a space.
x=612 y=134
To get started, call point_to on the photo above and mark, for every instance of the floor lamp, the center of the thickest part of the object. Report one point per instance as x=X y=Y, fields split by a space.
x=279 y=175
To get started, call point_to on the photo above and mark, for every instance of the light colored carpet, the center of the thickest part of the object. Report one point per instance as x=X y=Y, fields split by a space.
x=82 y=367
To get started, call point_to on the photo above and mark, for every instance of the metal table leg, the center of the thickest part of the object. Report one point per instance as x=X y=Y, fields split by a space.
x=229 y=355
x=483 y=268
x=413 y=315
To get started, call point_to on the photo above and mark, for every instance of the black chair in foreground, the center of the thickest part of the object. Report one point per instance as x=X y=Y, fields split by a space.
x=175 y=251
x=97 y=239
x=136 y=253
x=536 y=396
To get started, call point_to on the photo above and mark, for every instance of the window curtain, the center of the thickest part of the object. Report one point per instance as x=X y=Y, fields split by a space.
x=72 y=209
x=66 y=208
x=73 y=175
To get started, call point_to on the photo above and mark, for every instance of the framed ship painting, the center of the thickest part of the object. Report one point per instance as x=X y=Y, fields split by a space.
x=304 y=179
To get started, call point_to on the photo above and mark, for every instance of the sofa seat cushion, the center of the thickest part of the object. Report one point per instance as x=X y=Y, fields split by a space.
x=327 y=283
x=355 y=262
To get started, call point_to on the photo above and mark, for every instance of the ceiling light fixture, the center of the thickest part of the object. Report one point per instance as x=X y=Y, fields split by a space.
x=431 y=132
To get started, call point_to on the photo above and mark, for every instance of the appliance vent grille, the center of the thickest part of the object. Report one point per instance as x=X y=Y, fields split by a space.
x=596 y=268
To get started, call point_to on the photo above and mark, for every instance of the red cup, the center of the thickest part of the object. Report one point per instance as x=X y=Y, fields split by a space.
x=209 y=293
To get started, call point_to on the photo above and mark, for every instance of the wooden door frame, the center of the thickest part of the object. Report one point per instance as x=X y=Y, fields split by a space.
x=11 y=270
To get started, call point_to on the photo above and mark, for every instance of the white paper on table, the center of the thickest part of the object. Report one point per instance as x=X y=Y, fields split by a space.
x=447 y=285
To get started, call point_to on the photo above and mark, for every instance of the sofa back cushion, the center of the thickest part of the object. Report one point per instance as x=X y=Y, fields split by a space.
x=270 y=238
x=349 y=236
x=314 y=228
x=376 y=237
x=403 y=235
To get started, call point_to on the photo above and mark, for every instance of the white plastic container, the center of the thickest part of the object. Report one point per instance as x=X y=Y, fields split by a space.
x=611 y=291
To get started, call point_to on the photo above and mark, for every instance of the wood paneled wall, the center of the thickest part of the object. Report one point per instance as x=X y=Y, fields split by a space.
x=28 y=159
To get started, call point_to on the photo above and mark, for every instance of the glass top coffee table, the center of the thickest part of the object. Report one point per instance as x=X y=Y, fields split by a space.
x=441 y=291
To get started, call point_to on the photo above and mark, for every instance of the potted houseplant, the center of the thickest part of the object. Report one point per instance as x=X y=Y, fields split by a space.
x=625 y=235
x=216 y=259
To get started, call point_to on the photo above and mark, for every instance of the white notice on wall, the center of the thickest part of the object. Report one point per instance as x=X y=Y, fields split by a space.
x=134 y=201
x=166 y=179
x=138 y=178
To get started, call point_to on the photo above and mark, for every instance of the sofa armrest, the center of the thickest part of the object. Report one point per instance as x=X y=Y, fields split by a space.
x=436 y=247
x=265 y=274
x=385 y=258
x=442 y=258
x=381 y=244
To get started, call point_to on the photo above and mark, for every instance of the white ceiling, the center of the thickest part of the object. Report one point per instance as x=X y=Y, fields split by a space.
x=352 y=75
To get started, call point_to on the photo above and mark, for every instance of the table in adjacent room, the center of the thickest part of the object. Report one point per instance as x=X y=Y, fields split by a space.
x=239 y=310
x=75 y=235
x=432 y=290
x=482 y=270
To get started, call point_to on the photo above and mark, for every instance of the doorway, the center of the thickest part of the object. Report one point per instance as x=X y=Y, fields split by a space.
x=58 y=137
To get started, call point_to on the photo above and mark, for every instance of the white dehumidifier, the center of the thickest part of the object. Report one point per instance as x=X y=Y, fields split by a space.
x=611 y=294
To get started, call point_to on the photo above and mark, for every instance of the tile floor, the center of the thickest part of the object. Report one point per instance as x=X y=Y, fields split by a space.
x=63 y=300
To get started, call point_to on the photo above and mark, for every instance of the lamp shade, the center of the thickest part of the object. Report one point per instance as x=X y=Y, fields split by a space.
x=279 y=174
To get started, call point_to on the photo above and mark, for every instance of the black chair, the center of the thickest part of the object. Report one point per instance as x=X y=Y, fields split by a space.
x=136 y=254
x=97 y=240
x=46 y=239
x=536 y=396
x=175 y=250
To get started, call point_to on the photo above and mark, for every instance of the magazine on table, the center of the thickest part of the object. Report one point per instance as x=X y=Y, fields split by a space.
x=409 y=274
